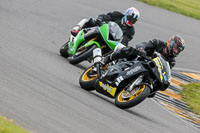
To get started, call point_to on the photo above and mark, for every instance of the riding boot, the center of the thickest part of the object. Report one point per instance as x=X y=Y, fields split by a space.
x=78 y=27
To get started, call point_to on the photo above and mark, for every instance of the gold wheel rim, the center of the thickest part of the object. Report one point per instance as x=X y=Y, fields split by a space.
x=86 y=78
x=120 y=99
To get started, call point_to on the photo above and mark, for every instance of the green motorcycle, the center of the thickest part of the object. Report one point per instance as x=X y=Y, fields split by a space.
x=81 y=46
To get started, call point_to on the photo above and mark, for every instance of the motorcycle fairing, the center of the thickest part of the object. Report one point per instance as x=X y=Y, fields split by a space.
x=111 y=90
x=104 y=31
x=111 y=43
x=160 y=71
x=110 y=80
x=73 y=45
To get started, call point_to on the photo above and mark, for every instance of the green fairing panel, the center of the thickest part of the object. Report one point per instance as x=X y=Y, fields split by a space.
x=105 y=34
x=77 y=41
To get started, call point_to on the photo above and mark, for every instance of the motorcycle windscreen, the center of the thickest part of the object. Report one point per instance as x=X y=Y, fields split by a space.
x=115 y=31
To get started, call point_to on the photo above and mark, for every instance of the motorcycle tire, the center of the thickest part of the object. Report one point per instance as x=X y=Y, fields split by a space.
x=139 y=95
x=63 y=50
x=75 y=59
x=87 y=82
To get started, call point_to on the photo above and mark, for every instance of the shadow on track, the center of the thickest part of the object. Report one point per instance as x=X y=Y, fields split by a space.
x=81 y=66
x=141 y=116
x=111 y=101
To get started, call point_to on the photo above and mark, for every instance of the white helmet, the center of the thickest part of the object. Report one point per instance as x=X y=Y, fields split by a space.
x=131 y=15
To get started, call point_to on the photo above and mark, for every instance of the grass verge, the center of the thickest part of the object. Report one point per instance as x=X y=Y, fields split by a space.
x=189 y=8
x=7 y=126
x=191 y=95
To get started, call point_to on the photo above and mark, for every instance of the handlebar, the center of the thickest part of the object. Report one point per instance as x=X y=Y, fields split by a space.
x=143 y=55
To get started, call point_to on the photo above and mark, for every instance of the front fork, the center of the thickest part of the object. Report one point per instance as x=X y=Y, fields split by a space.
x=97 y=55
x=139 y=81
x=98 y=66
x=136 y=83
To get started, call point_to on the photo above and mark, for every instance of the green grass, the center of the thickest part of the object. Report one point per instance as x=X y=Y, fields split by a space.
x=189 y=8
x=191 y=95
x=7 y=126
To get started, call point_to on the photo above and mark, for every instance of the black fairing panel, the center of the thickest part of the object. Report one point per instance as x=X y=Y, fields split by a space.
x=161 y=77
x=161 y=71
x=117 y=73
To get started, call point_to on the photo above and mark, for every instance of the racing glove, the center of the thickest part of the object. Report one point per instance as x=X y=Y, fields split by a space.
x=141 y=51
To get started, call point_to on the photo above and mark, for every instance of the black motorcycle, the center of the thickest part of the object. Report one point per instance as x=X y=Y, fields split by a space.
x=129 y=82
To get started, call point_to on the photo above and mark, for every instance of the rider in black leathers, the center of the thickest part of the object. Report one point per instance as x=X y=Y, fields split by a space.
x=126 y=22
x=168 y=49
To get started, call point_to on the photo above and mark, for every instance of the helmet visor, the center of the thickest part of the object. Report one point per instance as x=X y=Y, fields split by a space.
x=176 y=49
x=131 y=19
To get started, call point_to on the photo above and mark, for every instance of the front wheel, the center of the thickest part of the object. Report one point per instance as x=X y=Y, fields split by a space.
x=88 y=78
x=79 y=57
x=126 y=99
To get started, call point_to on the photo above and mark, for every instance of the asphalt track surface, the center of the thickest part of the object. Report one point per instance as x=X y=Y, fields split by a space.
x=39 y=89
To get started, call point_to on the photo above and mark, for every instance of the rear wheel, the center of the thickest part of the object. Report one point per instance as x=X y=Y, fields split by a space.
x=88 y=78
x=81 y=56
x=126 y=99
x=64 y=49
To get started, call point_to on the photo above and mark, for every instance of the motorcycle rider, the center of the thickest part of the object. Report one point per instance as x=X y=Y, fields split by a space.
x=169 y=50
x=126 y=22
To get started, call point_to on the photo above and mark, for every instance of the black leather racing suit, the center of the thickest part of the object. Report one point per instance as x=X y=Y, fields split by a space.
x=149 y=47
x=158 y=46
x=115 y=16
